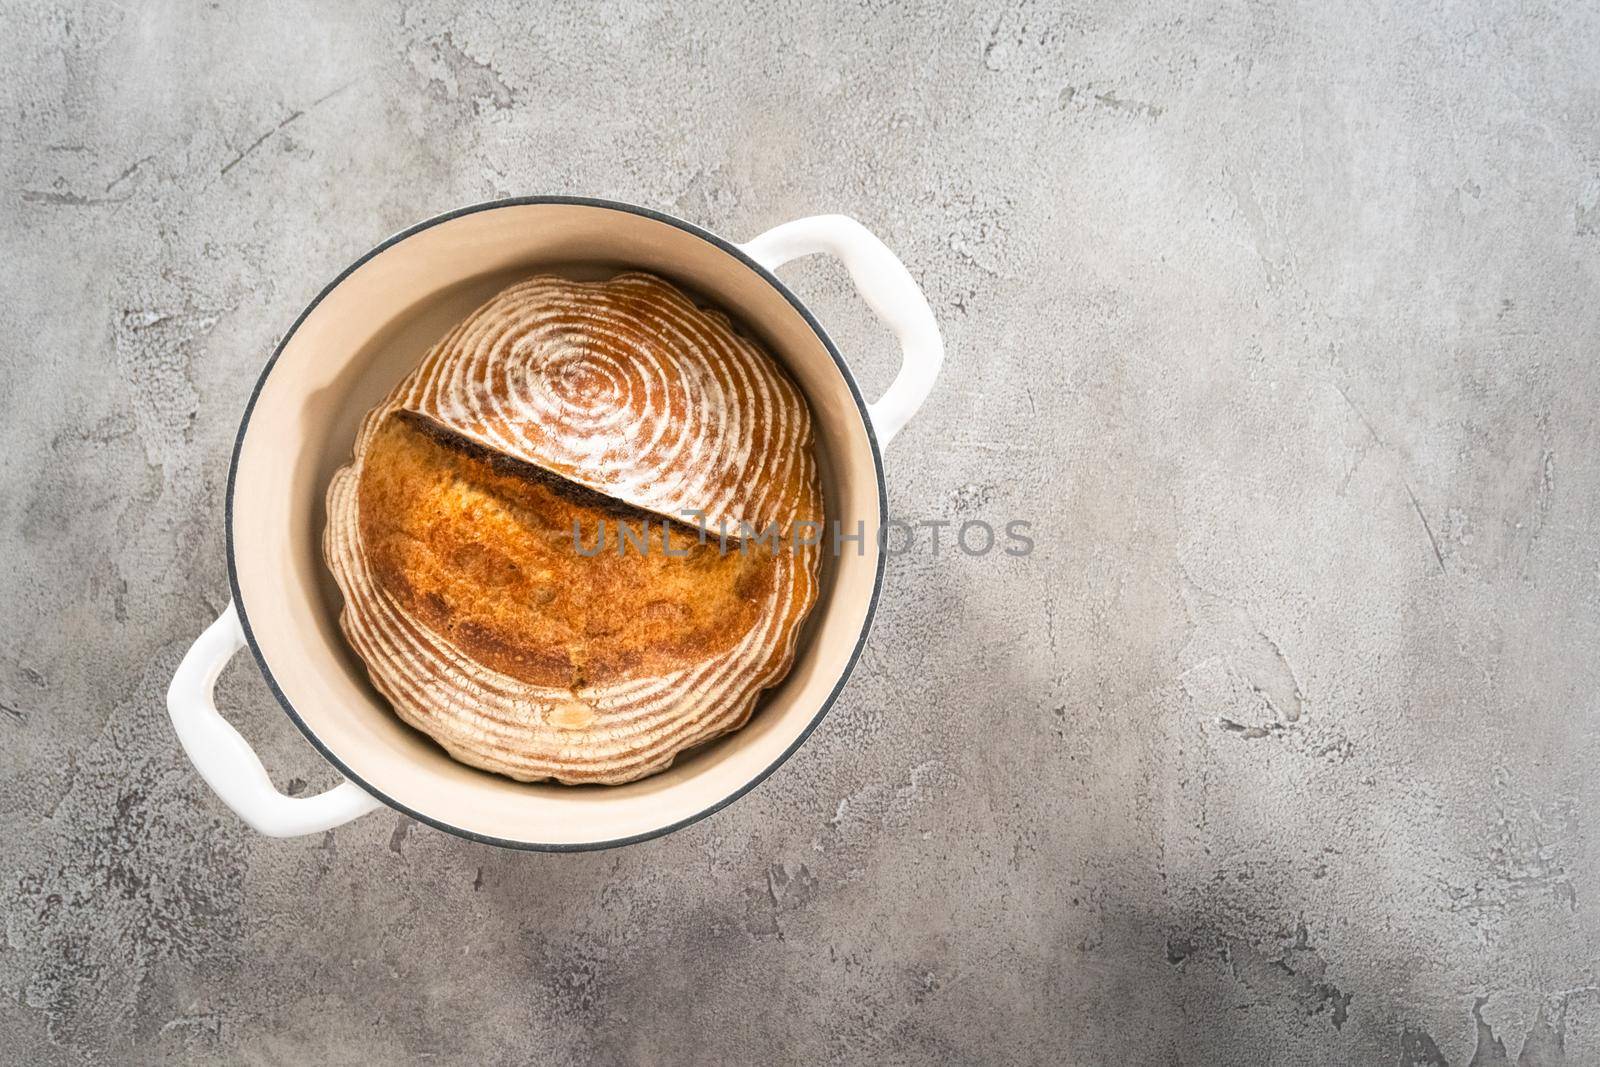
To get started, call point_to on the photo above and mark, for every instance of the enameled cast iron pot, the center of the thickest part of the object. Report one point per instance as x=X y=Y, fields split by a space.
x=364 y=332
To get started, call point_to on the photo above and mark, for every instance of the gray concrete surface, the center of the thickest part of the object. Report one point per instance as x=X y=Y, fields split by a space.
x=1279 y=322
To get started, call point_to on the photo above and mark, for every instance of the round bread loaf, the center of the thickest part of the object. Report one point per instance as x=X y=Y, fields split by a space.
x=466 y=535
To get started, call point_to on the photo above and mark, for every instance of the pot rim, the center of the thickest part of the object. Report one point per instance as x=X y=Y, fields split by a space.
x=578 y=201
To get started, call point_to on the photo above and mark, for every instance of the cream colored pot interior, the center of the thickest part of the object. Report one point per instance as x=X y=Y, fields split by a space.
x=346 y=355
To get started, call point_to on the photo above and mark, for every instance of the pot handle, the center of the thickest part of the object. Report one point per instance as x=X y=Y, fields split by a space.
x=889 y=290
x=225 y=759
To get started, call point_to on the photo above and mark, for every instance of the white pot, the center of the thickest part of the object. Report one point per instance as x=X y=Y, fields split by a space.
x=360 y=335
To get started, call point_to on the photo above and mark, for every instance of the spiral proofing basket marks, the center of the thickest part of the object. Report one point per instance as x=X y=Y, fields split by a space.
x=627 y=390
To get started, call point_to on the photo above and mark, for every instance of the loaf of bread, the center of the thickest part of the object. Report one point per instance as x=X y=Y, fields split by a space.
x=466 y=535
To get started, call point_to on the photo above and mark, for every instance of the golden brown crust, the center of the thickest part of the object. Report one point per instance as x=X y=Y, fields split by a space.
x=481 y=549
x=451 y=534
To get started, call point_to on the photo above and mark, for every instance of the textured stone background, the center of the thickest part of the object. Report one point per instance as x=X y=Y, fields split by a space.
x=1280 y=321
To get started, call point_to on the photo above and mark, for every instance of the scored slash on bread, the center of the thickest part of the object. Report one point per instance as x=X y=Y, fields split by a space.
x=555 y=406
x=628 y=388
